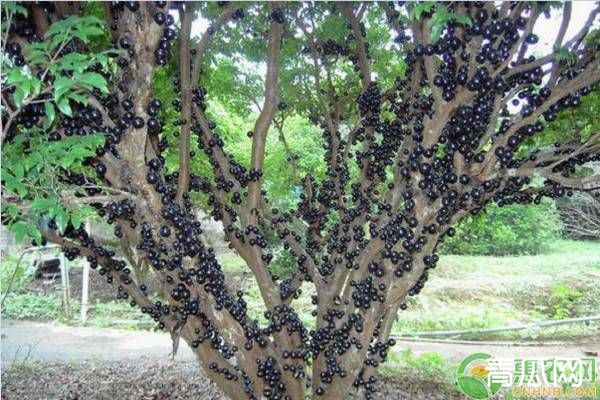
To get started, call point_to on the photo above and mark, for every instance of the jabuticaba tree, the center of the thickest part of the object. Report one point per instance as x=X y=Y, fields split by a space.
x=428 y=112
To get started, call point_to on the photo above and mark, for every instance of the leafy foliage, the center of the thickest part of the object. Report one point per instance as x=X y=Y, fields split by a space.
x=30 y=169
x=439 y=18
x=55 y=76
x=8 y=270
x=561 y=301
x=507 y=230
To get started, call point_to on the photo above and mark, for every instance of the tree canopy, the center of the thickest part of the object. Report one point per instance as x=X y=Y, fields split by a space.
x=353 y=135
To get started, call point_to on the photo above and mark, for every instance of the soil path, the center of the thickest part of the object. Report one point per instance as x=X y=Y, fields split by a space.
x=52 y=342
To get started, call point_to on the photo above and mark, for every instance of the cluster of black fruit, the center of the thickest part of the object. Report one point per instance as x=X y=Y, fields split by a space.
x=434 y=166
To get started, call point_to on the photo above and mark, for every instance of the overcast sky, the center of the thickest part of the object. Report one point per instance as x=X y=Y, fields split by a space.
x=546 y=29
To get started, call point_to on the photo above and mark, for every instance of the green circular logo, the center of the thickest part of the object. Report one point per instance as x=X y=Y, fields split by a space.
x=472 y=377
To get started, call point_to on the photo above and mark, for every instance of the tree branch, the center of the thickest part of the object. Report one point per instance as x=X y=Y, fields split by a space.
x=202 y=46
x=186 y=102
x=265 y=118
x=361 y=52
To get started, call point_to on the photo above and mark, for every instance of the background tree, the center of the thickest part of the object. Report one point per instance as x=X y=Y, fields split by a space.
x=581 y=216
x=427 y=113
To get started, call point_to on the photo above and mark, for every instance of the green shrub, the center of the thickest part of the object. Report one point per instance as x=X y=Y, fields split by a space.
x=112 y=314
x=32 y=306
x=561 y=303
x=283 y=264
x=9 y=276
x=508 y=230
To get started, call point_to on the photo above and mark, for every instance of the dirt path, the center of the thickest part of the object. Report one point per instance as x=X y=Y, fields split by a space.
x=51 y=342
x=57 y=342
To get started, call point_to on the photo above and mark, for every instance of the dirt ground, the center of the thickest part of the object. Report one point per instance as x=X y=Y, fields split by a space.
x=53 y=361
x=54 y=342
x=150 y=379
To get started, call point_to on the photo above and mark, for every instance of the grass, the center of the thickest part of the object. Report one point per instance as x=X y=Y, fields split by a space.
x=110 y=314
x=231 y=262
x=120 y=315
x=428 y=368
x=476 y=292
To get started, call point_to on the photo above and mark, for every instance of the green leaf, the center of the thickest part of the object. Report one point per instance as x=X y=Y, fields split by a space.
x=463 y=19
x=77 y=216
x=61 y=86
x=19 y=97
x=64 y=106
x=14 y=7
x=11 y=209
x=35 y=160
x=36 y=85
x=92 y=79
x=19 y=171
x=20 y=230
x=43 y=204
x=15 y=75
x=54 y=210
x=13 y=184
x=436 y=32
x=37 y=57
x=50 y=114
x=76 y=220
x=420 y=9
x=23 y=229
x=35 y=234
x=88 y=32
x=84 y=28
x=74 y=62
x=62 y=219
x=78 y=98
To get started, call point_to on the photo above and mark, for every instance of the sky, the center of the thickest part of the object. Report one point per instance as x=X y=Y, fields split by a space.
x=546 y=29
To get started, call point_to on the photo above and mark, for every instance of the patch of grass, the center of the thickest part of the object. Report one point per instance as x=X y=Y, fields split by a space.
x=476 y=292
x=120 y=315
x=33 y=306
x=426 y=367
x=564 y=246
x=23 y=365
x=231 y=262
x=102 y=315
x=542 y=300
x=9 y=272
x=457 y=316
x=562 y=300
x=564 y=257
